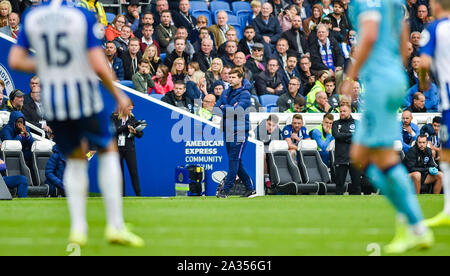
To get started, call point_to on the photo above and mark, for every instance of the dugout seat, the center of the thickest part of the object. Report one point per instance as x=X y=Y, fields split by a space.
x=40 y=153
x=312 y=168
x=15 y=163
x=398 y=147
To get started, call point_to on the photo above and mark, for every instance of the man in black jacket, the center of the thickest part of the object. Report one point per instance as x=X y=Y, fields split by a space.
x=131 y=59
x=297 y=38
x=34 y=113
x=343 y=130
x=205 y=56
x=177 y=97
x=271 y=80
x=421 y=166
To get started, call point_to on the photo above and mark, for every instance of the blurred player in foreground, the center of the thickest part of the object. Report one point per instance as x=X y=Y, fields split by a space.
x=435 y=52
x=68 y=59
x=383 y=37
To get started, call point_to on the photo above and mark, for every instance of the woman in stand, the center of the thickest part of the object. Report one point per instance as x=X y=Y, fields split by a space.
x=124 y=121
x=151 y=54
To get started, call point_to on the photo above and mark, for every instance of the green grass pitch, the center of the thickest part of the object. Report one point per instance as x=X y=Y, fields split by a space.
x=271 y=225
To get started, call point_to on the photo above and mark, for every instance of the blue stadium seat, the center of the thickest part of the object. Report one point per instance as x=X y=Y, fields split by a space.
x=245 y=17
x=127 y=83
x=268 y=101
x=157 y=96
x=110 y=16
x=233 y=19
x=219 y=5
x=162 y=56
x=198 y=6
x=230 y=14
x=241 y=6
x=206 y=13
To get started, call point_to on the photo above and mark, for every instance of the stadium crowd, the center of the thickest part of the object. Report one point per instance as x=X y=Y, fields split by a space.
x=294 y=50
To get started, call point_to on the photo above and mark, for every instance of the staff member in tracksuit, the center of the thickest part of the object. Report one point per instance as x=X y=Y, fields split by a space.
x=343 y=130
x=234 y=104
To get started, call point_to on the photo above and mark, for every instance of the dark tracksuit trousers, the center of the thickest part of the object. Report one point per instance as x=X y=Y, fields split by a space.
x=235 y=166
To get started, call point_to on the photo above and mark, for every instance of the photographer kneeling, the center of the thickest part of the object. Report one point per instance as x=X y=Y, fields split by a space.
x=127 y=127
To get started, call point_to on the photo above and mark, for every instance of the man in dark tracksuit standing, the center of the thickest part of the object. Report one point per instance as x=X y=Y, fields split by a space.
x=342 y=131
x=234 y=104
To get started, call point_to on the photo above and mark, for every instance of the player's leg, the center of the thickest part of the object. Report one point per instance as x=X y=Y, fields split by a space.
x=437 y=180
x=416 y=178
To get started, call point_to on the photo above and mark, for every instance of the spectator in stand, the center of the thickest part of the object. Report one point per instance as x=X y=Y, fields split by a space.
x=182 y=33
x=413 y=71
x=323 y=136
x=179 y=70
x=305 y=8
x=54 y=172
x=132 y=14
x=13 y=27
x=131 y=58
x=348 y=46
x=142 y=80
x=197 y=35
x=5 y=11
x=123 y=40
x=418 y=23
x=342 y=131
x=196 y=86
x=432 y=131
x=326 y=53
x=96 y=7
x=431 y=93
x=239 y=62
x=114 y=29
x=410 y=131
x=278 y=6
x=206 y=111
x=296 y=37
x=217 y=89
x=124 y=122
x=311 y=22
x=16 y=181
x=182 y=18
x=267 y=26
x=247 y=42
x=285 y=17
x=147 y=38
x=15 y=102
x=266 y=132
x=282 y=51
x=418 y=103
x=270 y=81
x=147 y=18
x=255 y=63
x=421 y=166
x=179 y=52
x=327 y=7
x=290 y=71
x=203 y=33
x=286 y=100
x=165 y=31
x=319 y=85
x=161 y=6
x=230 y=51
x=231 y=35
x=298 y=106
x=115 y=63
x=321 y=104
x=214 y=72
x=17 y=130
x=256 y=8
x=220 y=29
x=34 y=113
x=204 y=57
x=339 y=21
x=225 y=76
x=330 y=87
x=163 y=80
x=151 y=54
x=294 y=133
x=192 y=67
x=177 y=97
x=415 y=40
x=307 y=76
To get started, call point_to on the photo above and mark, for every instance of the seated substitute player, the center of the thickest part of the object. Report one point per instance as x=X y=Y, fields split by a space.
x=68 y=59
x=383 y=39
x=294 y=133
x=435 y=45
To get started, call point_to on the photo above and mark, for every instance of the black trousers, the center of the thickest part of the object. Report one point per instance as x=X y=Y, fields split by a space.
x=130 y=158
x=341 y=174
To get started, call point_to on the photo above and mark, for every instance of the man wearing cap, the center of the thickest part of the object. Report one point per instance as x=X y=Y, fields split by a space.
x=256 y=63
x=132 y=14
x=15 y=102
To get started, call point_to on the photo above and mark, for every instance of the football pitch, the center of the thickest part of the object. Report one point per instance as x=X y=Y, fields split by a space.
x=262 y=226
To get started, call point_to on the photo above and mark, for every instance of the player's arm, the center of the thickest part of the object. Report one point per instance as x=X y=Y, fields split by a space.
x=424 y=68
x=100 y=66
x=20 y=60
x=404 y=42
